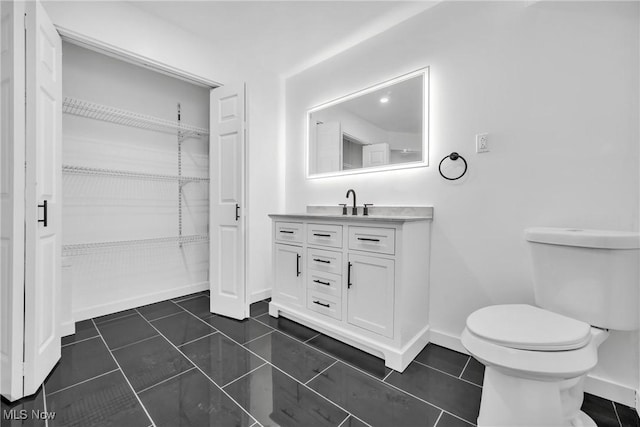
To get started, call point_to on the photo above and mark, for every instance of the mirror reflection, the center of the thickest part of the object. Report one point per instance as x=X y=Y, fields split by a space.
x=376 y=129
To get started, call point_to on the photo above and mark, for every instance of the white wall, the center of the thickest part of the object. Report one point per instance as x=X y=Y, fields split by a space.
x=555 y=84
x=124 y=26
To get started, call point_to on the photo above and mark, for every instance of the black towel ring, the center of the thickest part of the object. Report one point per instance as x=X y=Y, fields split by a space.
x=453 y=156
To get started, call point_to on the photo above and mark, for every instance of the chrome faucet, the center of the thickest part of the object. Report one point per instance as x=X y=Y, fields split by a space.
x=354 y=210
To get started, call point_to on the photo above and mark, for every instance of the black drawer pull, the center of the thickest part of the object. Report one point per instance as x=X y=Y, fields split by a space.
x=324 y=305
x=322 y=260
x=367 y=239
x=286 y=231
x=44 y=218
x=322 y=235
x=321 y=282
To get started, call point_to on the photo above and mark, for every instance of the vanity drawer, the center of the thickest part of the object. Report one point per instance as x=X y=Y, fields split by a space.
x=324 y=235
x=322 y=260
x=324 y=304
x=289 y=231
x=327 y=283
x=373 y=239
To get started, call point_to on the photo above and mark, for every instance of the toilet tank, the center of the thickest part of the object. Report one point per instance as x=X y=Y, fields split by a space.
x=589 y=275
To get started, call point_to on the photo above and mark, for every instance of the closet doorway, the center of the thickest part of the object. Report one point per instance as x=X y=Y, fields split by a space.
x=152 y=175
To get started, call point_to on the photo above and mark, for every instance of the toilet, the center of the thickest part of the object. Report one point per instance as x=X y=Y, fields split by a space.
x=586 y=282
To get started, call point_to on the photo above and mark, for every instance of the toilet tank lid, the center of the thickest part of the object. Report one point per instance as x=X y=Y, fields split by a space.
x=603 y=239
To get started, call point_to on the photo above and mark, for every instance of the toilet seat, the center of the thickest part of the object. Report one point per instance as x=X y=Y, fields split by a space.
x=525 y=327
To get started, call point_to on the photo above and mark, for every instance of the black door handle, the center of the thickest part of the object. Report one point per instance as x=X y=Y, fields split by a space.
x=298 y=264
x=349 y=275
x=237 y=211
x=44 y=218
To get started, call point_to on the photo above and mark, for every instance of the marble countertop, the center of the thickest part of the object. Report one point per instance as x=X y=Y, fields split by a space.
x=377 y=214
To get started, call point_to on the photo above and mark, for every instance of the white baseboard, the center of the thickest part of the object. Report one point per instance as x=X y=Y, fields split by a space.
x=447 y=340
x=67 y=328
x=610 y=390
x=601 y=387
x=260 y=295
x=125 y=304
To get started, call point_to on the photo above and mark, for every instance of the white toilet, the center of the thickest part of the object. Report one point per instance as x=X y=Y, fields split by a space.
x=586 y=282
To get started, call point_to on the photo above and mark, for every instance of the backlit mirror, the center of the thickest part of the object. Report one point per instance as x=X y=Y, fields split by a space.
x=379 y=128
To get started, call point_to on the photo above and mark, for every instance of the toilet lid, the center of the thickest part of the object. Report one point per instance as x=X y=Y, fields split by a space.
x=526 y=327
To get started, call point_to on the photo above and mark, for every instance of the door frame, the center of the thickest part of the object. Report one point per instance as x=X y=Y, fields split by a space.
x=123 y=54
x=12 y=381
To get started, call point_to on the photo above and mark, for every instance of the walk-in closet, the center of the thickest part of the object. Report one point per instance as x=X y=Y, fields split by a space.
x=135 y=183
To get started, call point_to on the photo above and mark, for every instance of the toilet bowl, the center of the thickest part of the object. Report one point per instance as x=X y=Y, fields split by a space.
x=535 y=376
x=537 y=357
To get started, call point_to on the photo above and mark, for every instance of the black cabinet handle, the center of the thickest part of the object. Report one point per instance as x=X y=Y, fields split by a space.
x=286 y=231
x=349 y=265
x=44 y=218
x=324 y=305
x=322 y=283
x=298 y=264
x=367 y=239
x=322 y=235
x=237 y=211
x=322 y=260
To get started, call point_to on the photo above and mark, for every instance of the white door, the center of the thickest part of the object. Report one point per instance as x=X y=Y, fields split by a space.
x=43 y=197
x=227 y=199
x=370 y=291
x=375 y=155
x=40 y=123
x=12 y=177
x=288 y=287
x=328 y=147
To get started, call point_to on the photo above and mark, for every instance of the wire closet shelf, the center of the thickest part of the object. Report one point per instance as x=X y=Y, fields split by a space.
x=83 y=170
x=89 y=248
x=78 y=107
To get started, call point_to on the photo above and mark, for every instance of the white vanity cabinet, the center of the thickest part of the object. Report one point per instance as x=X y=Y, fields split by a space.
x=361 y=280
x=370 y=291
x=288 y=275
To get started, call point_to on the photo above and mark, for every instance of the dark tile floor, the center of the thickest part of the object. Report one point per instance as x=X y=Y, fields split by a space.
x=175 y=364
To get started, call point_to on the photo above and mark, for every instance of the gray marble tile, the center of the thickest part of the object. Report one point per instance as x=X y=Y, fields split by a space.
x=371 y=400
x=444 y=391
x=441 y=358
x=149 y=362
x=182 y=327
x=104 y=401
x=222 y=359
x=295 y=358
x=275 y=399
x=79 y=362
x=190 y=399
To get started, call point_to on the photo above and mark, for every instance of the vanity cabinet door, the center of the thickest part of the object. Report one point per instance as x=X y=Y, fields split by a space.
x=370 y=293
x=289 y=284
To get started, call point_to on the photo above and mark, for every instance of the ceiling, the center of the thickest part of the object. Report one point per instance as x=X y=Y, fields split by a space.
x=285 y=37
